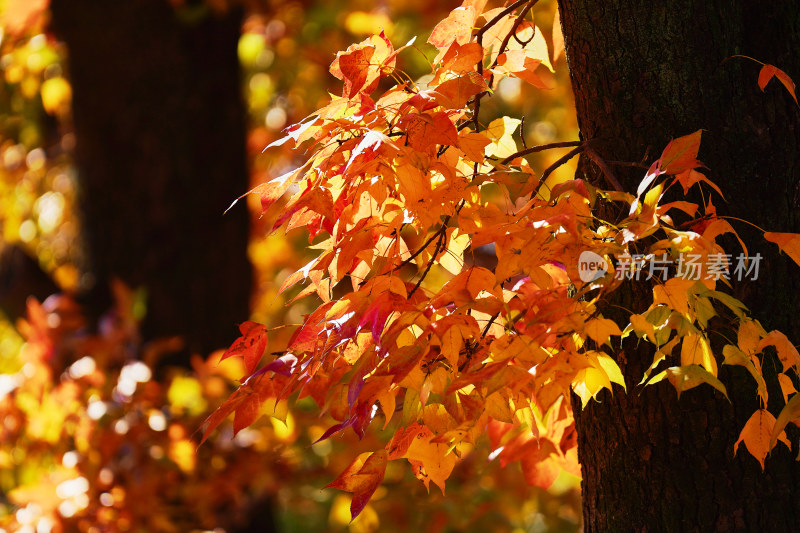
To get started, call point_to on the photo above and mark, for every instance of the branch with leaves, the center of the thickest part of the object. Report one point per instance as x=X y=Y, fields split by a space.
x=443 y=351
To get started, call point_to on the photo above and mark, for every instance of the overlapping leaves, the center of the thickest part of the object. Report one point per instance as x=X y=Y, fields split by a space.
x=403 y=194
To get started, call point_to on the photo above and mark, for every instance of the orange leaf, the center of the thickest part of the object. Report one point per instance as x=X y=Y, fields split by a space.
x=787 y=387
x=756 y=435
x=558 y=37
x=435 y=461
x=788 y=242
x=456 y=27
x=473 y=145
x=462 y=58
x=426 y=130
x=455 y=93
x=352 y=67
x=600 y=329
x=270 y=191
x=787 y=353
x=431 y=461
x=361 y=478
x=689 y=177
x=675 y=294
x=681 y=154
x=19 y=15
x=768 y=72
x=541 y=464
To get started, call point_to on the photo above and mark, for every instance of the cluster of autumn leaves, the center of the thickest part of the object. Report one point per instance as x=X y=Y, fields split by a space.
x=403 y=192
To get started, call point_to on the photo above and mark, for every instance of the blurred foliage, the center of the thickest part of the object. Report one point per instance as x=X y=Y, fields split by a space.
x=91 y=441
x=94 y=443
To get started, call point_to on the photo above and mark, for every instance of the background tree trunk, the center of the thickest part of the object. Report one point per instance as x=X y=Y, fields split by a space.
x=642 y=73
x=160 y=130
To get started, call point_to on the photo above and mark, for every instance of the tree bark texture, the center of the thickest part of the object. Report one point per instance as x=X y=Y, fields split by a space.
x=644 y=72
x=160 y=149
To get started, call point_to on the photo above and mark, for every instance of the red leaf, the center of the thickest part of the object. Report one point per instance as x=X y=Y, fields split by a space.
x=361 y=478
x=245 y=401
x=222 y=412
x=250 y=345
x=768 y=72
x=379 y=310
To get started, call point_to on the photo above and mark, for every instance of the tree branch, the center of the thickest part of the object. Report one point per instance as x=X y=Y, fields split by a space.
x=540 y=148
x=569 y=155
x=603 y=166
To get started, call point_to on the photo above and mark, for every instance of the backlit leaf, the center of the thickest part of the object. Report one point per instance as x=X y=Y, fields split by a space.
x=361 y=478
x=767 y=72
x=756 y=435
x=788 y=242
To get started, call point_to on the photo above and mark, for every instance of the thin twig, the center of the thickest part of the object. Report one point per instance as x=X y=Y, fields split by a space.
x=498 y=18
x=427 y=243
x=489 y=324
x=627 y=164
x=513 y=31
x=430 y=264
x=479 y=40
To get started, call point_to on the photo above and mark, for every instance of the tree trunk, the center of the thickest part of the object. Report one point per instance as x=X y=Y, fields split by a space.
x=160 y=130
x=644 y=72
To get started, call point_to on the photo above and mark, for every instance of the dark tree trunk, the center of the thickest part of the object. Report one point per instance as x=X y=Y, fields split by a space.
x=160 y=130
x=644 y=72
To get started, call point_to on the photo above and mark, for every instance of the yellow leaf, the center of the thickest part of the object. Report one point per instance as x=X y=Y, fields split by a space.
x=517 y=347
x=675 y=294
x=453 y=258
x=600 y=329
x=696 y=351
x=588 y=382
x=501 y=131
x=642 y=328
x=436 y=462
x=684 y=378
x=611 y=369
x=497 y=407
x=558 y=37
x=749 y=336
x=756 y=435
x=734 y=356
x=659 y=356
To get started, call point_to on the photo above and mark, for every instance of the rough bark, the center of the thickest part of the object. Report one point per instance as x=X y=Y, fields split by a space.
x=160 y=125
x=644 y=72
